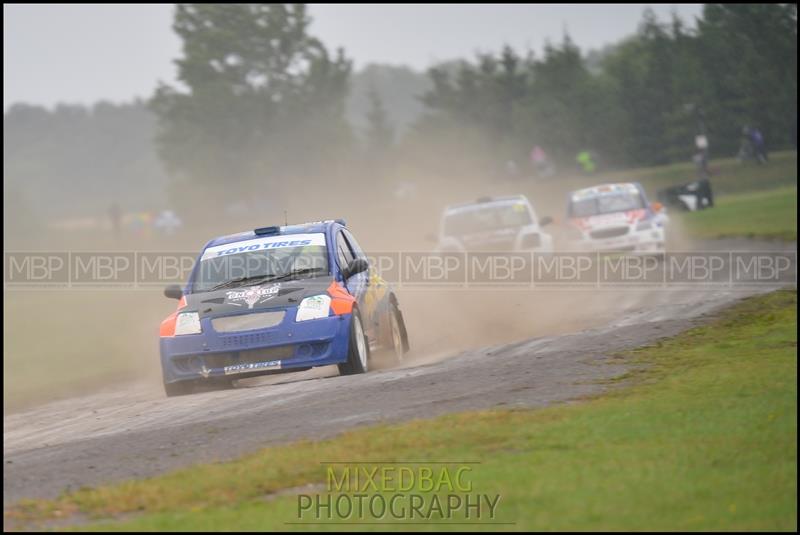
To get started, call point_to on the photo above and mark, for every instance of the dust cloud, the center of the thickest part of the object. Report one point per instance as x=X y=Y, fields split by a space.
x=68 y=342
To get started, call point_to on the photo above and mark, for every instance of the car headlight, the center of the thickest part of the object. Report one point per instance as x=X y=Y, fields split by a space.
x=314 y=307
x=644 y=225
x=187 y=323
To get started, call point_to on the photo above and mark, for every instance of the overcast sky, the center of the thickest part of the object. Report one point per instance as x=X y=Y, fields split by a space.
x=85 y=53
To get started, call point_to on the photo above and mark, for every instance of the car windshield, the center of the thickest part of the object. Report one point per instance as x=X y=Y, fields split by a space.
x=606 y=204
x=259 y=260
x=486 y=219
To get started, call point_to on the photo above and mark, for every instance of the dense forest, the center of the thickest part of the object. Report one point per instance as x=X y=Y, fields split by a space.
x=267 y=101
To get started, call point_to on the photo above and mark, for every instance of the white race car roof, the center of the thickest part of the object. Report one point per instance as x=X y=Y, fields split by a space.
x=496 y=201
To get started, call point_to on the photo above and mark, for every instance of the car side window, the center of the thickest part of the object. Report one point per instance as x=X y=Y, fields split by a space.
x=343 y=253
x=359 y=253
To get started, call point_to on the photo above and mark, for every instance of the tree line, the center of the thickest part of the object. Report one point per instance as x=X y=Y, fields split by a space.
x=649 y=96
x=261 y=102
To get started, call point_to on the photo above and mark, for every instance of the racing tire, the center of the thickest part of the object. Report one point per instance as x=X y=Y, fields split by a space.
x=399 y=334
x=358 y=348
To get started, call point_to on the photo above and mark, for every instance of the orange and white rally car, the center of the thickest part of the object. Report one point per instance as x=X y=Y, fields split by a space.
x=614 y=218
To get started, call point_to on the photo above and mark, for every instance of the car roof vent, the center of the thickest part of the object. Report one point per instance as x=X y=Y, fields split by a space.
x=267 y=231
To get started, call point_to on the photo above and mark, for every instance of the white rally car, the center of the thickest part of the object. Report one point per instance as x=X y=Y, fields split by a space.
x=493 y=224
x=614 y=217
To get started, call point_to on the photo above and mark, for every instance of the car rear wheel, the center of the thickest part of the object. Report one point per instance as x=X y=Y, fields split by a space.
x=399 y=336
x=397 y=339
x=358 y=348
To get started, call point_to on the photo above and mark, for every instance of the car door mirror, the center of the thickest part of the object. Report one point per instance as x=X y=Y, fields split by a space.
x=173 y=291
x=546 y=220
x=357 y=265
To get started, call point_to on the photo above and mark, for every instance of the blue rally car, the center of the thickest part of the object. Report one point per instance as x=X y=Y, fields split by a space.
x=278 y=299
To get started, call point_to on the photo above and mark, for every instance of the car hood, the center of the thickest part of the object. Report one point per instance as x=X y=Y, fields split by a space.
x=490 y=236
x=614 y=219
x=504 y=236
x=269 y=295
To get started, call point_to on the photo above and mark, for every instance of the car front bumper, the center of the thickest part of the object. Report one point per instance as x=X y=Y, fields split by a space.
x=289 y=346
x=644 y=241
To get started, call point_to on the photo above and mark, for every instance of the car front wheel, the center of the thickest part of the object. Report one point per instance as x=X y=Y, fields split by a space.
x=358 y=348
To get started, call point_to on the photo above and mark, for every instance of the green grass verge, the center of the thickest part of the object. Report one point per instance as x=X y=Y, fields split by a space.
x=729 y=176
x=765 y=214
x=705 y=438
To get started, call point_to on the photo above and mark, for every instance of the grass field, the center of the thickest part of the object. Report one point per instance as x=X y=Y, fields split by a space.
x=702 y=437
x=729 y=176
x=750 y=201
x=770 y=214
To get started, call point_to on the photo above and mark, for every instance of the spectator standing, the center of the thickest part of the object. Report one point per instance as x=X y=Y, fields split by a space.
x=759 y=147
x=701 y=156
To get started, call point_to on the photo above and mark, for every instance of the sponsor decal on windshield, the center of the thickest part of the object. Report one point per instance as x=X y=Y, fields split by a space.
x=260 y=244
x=607 y=189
